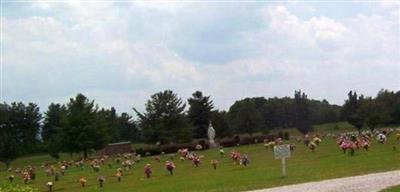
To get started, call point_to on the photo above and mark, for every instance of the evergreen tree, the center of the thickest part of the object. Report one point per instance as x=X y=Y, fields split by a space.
x=127 y=128
x=110 y=116
x=200 y=113
x=83 y=129
x=219 y=121
x=302 y=112
x=52 y=121
x=350 y=110
x=9 y=145
x=164 y=120
x=19 y=127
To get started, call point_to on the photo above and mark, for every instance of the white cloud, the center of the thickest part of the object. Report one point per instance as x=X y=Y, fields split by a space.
x=317 y=30
x=322 y=55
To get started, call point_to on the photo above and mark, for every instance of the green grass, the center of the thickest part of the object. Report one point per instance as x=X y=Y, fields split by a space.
x=264 y=171
x=392 y=189
x=338 y=127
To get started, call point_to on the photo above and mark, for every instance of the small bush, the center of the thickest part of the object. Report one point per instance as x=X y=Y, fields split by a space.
x=280 y=134
x=335 y=127
x=228 y=142
x=286 y=136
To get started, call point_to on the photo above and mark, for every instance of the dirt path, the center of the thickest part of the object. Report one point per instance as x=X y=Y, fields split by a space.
x=363 y=183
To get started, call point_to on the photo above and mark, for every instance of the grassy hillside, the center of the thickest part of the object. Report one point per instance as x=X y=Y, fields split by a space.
x=392 y=189
x=264 y=171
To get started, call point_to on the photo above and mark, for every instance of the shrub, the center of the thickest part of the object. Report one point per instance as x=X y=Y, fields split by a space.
x=228 y=142
x=271 y=137
x=237 y=139
x=336 y=127
x=245 y=140
x=260 y=138
x=171 y=148
x=204 y=144
x=286 y=136
x=280 y=134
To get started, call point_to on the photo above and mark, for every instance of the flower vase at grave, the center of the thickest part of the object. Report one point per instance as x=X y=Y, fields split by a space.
x=170 y=167
x=101 y=180
x=56 y=176
x=147 y=170
x=50 y=186
x=118 y=175
x=82 y=181
x=214 y=163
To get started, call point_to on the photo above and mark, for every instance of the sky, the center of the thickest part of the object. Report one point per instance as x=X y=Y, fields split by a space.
x=121 y=52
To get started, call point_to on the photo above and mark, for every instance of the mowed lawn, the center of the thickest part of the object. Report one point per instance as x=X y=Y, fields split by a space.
x=264 y=171
x=392 y=189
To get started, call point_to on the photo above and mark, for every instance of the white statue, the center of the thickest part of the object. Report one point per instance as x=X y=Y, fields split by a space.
x=211 y=135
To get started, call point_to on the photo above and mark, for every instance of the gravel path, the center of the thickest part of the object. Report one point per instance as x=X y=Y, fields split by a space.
x=364 y=183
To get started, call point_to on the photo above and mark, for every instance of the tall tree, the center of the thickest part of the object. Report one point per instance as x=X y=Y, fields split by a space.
x=245 y=118
x=26 y=121
x=128 y=129
x=200 y=113
x=9 y=145
x=51 y=129
x=110 y=116
x=52 y=121
x=350 y=110
x=220 y=123
x=32 y=127
x=302 y=112
x=374 y=113
x=19 y=127
x=83 y=129
x=164 y=120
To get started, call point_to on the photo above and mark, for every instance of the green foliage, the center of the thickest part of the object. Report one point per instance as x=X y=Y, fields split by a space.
x=200 y=113
x=164 y=120
x=302 y=112
x=17 y=188
x=384 y=109
x=351 y=110
x=128 y=129
x=83 y=128
x=220 y=123
x=80 y=126
x=374 y=113
x=390 y=102
x=52 y=121
x=245 y=118
x=19 y=127
x=110 y=118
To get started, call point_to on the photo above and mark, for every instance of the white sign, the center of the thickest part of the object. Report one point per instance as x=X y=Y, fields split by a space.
x=282 y=152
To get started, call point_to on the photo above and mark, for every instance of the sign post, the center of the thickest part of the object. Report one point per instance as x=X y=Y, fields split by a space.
x=282 y=152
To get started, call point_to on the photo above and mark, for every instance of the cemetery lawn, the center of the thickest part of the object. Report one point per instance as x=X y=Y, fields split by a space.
x=327 y=162
x=392 y=189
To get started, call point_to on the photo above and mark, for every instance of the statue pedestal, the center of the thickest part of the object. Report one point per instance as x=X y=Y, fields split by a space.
x=213 y=144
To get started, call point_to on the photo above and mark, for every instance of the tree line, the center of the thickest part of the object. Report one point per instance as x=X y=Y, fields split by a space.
x=80 y=125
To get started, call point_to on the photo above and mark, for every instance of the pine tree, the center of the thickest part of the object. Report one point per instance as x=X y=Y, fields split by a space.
x=200 y=113
x=350 y=110
x=83 y=128
x=302 y=112
x=164 y=120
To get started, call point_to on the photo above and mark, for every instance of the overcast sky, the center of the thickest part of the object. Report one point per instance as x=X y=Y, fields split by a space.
x=119 y=53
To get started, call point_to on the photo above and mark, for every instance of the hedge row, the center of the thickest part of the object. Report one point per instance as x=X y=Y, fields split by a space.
x=225 y=142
